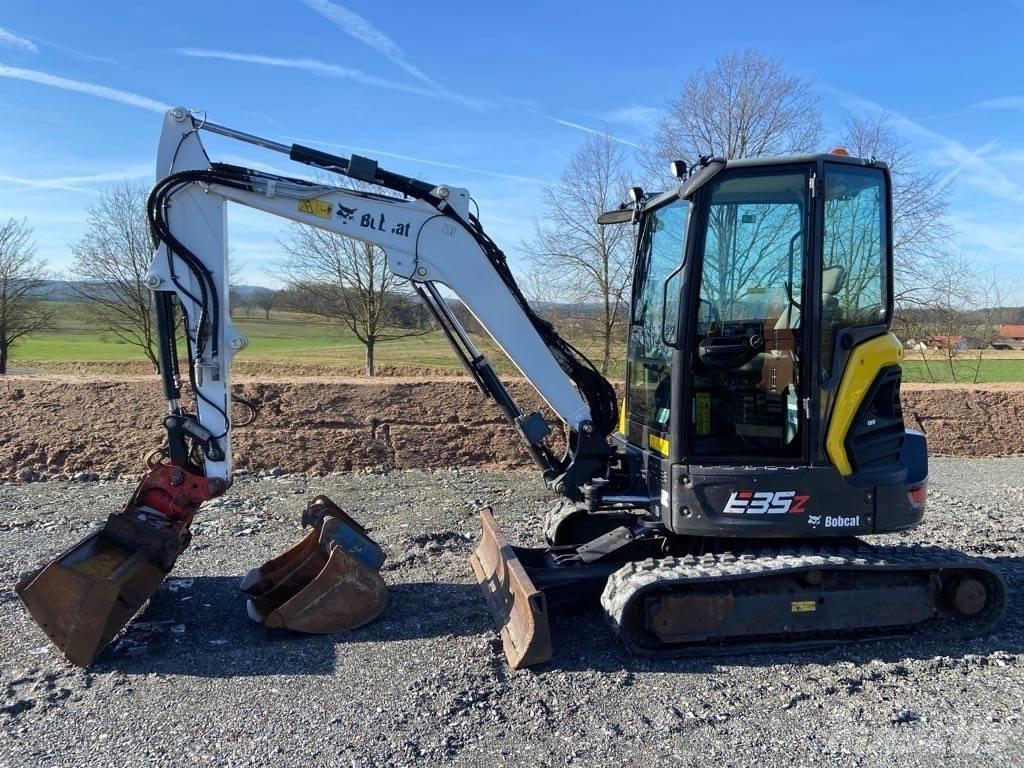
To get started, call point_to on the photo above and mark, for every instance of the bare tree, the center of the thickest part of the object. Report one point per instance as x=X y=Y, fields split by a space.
x=919 y=205
x=582 y=262
x=236 y=297
x=265 y=299
x=21 y=276
x=746 y=105
x=112 y=260
x=347 y=280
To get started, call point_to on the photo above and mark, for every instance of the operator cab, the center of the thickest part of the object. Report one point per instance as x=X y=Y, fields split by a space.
x=753 y=282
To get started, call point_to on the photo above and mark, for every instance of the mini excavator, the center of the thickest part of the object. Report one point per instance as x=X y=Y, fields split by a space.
x=720 y=509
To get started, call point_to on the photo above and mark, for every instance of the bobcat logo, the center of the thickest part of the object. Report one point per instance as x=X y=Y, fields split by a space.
x=346 y=213
x=814 y=520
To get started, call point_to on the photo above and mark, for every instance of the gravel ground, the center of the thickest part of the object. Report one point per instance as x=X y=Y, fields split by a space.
x=194 y=682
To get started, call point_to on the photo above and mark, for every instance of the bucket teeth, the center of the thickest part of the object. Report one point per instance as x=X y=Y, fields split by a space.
x=328 y=582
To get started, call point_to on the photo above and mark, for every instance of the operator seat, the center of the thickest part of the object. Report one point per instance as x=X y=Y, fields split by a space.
x=832 y=281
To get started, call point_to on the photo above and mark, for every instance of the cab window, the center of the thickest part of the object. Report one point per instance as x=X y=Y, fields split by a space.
x=854 y=279
x=654 y=314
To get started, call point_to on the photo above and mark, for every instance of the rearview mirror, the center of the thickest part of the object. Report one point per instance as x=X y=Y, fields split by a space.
x=623 y=215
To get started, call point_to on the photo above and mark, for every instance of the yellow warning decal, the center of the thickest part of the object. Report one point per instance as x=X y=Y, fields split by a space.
x=658 y=444
x=802 y=606
x=316 y=207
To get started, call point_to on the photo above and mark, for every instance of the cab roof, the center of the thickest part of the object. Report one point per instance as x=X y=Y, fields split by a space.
x=702 y=174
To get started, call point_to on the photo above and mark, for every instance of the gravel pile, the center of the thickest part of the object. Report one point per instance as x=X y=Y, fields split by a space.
x=192 y=681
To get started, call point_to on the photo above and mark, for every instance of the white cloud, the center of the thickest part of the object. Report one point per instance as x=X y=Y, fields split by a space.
x=314 y=66
x=365 y=32
x=958 y=160
x=1005 y=237
x=578 y=127
x=99 y=91
x=644 y=117
x=82 y=183
x=12 y=40
x=1015 y=103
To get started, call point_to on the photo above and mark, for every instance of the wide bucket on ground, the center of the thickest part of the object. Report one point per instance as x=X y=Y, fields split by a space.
x=83 y=598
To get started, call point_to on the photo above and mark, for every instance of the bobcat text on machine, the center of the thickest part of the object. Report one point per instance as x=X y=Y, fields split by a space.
x=717 y=511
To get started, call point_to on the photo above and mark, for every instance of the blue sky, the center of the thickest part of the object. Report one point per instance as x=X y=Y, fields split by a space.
x=493 y=97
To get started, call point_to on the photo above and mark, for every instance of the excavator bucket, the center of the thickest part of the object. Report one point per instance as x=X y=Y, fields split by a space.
x=83 y=598
x=329 y=582
x=518 y=608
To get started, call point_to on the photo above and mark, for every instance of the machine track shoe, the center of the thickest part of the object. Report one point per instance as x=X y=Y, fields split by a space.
x=329 y=582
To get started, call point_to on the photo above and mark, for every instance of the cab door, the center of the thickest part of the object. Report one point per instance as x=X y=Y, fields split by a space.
x=653 y=322
x=749 y=341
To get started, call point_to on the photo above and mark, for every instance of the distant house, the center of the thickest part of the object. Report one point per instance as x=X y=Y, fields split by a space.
x=954 y=342
x=1011 y=336
x=1012 y=331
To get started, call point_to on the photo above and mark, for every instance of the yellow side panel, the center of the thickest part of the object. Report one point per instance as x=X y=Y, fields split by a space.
x=659 y=444
x=865 y=361
x=622 y=417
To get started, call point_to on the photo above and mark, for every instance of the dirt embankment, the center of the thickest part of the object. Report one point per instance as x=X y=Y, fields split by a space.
x=56 y=426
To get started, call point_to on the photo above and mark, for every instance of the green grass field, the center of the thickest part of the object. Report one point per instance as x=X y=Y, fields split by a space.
x=994 y=371
x=285 y=338
x=305 y=341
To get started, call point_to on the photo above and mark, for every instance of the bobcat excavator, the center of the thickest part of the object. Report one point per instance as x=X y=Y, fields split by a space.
x=720 y=509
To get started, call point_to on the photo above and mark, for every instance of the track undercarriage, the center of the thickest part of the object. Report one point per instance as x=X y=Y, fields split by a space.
x=678 y=596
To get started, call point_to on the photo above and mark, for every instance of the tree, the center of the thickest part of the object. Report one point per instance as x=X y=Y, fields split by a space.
x=580 y=261
x=112 y=259
x=237 y=298
x=265 y=299
x=21 y=277
x=744 y=106
x=348 y=280
x=919 y=203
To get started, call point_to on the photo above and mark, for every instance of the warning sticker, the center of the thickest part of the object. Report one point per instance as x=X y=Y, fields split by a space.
x=802 y=606
x=316 y=207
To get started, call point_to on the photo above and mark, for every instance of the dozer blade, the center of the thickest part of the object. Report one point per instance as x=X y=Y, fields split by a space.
x=84 y=597
x=329 y=582
x=519 y=609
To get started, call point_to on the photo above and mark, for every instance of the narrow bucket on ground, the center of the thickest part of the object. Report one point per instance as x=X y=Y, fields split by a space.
x=328 y=582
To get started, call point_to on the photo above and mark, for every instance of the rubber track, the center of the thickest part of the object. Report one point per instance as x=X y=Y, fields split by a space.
x=632 y=581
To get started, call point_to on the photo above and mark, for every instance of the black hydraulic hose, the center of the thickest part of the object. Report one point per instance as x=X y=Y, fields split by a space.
x=169 y=372
x=156 y=207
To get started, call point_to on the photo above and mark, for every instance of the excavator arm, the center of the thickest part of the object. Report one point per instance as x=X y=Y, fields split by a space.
x=430 y=238
x=330 y=580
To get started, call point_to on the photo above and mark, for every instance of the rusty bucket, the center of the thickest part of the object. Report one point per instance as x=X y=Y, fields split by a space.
x=518 y=608
x=83 y=598
x=328 y=582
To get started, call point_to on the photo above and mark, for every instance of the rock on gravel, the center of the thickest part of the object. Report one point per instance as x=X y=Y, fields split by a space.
x=192 y=681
